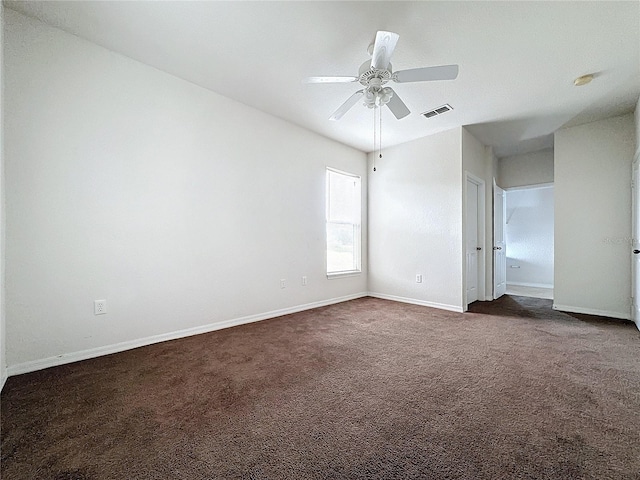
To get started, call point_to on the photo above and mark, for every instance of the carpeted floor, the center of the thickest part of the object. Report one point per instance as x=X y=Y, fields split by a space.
x=360 y=390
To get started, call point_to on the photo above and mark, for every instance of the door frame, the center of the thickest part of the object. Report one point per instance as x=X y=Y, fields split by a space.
x=635 y=242
x=494 y=245
x=482 y=203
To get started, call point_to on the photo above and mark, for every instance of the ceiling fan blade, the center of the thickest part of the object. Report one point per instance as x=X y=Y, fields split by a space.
x=397 y=106
x=383 y=49
x=330 y=79
x=344 y=108
x=426 y=74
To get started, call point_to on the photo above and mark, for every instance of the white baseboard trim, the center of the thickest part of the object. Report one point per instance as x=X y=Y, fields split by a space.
x=3 y=379
x=441 y=306
x=533 y=285
x=33 y=365
x=592 y=311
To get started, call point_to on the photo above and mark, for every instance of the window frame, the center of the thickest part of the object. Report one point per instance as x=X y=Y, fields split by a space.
x=357 y=234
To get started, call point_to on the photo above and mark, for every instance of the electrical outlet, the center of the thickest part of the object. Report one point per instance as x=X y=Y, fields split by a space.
x=304 y=281
x=99 y=307
x=283 y=283
x=419 y=278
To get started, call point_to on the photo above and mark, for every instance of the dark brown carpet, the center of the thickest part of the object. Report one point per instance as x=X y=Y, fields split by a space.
x=360 y=390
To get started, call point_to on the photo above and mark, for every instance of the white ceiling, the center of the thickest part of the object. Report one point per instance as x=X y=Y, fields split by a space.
x=517 y=59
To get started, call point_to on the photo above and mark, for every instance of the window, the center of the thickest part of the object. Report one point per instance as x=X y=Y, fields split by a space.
x=343 y=223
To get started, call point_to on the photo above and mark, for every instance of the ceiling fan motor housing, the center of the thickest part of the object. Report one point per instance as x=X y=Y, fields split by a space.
x=369 y=77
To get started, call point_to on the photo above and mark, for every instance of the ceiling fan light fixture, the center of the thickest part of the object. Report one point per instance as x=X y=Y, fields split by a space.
x=377 y=97
x=385 y=95
x=583 y=80
x=369 y=99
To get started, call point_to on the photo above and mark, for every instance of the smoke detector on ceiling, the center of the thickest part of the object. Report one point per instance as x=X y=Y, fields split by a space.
x=583 y=80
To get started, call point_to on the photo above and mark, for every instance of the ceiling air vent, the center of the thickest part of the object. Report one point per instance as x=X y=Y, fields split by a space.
x=438 y=111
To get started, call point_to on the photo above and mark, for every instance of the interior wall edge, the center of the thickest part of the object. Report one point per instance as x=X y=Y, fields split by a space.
x=536 y=186
x=592 y=311
x=636 y=118
x=62 y=359
x=532 y=285
x=415 y=301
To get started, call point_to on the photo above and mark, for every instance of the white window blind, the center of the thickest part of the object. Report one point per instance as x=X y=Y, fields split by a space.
x=344 y=214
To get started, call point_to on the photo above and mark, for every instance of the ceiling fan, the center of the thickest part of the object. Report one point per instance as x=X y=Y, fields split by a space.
x=375 y=74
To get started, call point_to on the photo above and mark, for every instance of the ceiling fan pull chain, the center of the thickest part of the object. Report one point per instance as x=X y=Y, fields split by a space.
x=380 y=135
x=374 y=138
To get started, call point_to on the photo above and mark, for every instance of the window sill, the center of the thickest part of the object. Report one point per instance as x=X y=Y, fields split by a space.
x=352 y=273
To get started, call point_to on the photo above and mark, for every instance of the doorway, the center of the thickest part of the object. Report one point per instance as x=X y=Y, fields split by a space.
x=529 y=232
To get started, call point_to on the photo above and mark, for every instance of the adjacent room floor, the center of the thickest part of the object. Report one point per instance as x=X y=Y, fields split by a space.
x=359 y=390
x=535 y=292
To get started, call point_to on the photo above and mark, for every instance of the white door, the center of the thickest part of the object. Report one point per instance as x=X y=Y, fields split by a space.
x=635 y=245
x=499 y=245
x=472 y=242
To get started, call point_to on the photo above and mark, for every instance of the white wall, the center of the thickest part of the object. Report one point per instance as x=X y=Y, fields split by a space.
x=529 y=232
x=478 y=160
x=178 y=206
x=3 y=351
x=593 y=217
x=415 y=222
x=526 y=169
